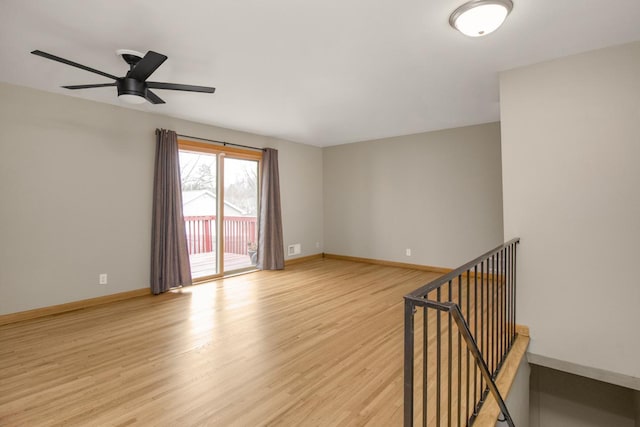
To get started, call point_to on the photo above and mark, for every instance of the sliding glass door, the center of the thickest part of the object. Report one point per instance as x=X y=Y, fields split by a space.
x=220 y=208
x=199 y=172
x=240 y=213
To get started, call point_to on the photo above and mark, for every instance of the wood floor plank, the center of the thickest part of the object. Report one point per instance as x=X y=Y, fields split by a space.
x=317 y=344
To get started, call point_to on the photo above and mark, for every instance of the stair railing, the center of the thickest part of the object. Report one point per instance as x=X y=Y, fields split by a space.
x=479 y=297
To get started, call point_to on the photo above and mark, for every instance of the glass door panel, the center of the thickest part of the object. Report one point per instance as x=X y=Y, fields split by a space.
x=240 y=214
x=198 y=172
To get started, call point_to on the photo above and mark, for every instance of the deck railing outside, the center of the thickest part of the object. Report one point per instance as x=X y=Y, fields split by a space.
x=458 y=331
x=239 y=232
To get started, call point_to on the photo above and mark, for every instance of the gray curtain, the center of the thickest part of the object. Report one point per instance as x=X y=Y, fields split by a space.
x=169 y=254
x=270 y=242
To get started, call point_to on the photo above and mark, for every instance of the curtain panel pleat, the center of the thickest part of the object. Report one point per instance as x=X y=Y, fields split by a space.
x=169 y=253
x=270 y=241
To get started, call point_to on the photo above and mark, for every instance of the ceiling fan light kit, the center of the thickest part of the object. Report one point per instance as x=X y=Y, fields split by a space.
x=478 y=18
x=133 y=88
x=131 y=99
x=131 y=91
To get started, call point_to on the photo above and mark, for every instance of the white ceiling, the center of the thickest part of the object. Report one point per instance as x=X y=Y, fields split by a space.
x=320 y=72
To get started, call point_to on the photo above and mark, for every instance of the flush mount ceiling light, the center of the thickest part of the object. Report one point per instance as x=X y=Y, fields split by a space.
x=480 y=17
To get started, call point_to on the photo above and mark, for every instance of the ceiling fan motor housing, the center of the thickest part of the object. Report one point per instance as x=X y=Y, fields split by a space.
x=129 y=86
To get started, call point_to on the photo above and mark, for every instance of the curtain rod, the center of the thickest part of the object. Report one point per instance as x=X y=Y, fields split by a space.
x=224 y=143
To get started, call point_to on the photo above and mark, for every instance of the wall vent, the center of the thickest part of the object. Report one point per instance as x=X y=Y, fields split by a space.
x=295 y=249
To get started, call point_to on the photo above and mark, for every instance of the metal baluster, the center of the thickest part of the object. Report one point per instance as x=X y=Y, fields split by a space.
x=496 y=332
x=513 y=289
x=494 y=313
x=505 y=329
x=483 y=331
x=513 y=292
x=438 y=361
x=408 y=363
x=467 y=406
x=459 y=353
x=489 y=314
x=493 y=316
x=504 y=301
x=475 y=333
x=425 y=363
x=500 y=273
x=449 y=351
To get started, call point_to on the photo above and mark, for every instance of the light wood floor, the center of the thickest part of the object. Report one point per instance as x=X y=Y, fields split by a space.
x=319 y=344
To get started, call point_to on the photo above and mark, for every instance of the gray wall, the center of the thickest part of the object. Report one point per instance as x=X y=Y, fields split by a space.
x=437 y=193
x=570 y=148
x=75 y=195
x=566 y=400
x=517 y=400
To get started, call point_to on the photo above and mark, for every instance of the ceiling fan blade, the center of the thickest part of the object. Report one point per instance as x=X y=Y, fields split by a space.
x=89 y=86
x=73 y=64
x=146 y=66
x=153 y=98
x=175 y=86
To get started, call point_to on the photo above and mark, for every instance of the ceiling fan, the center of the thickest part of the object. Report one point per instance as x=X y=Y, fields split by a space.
x=133 y=87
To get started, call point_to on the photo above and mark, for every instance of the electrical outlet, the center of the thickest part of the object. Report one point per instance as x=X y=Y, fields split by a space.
x=318 y=245
x=407 y=252
x=103 y=279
